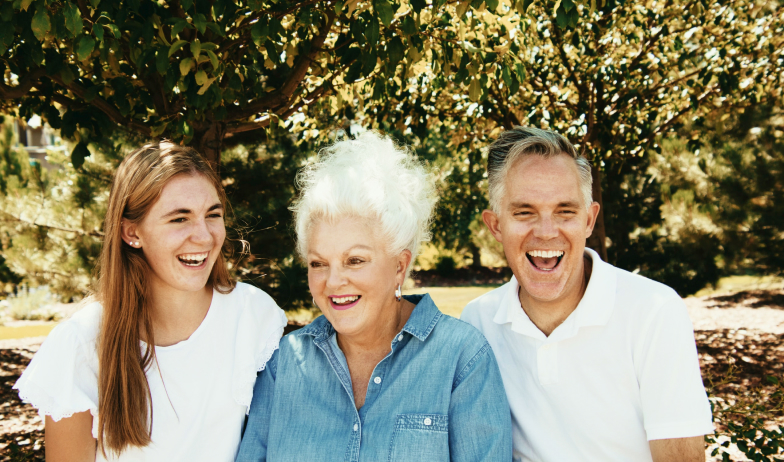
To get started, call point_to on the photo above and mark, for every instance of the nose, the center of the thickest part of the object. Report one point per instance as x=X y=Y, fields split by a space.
x=545 y=228
x=200 y=233
x=335 y=279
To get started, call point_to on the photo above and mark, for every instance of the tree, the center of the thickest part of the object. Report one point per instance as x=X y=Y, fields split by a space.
x=195 y=71
x=613 y=76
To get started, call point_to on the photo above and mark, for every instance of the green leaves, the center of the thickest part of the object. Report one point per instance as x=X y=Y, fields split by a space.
x=196 y=48
x=185 y=66
x=384 y=10
x=395 y=51
x=84 y=46
x=176 y=46
x=79 y=153
x=41 y=23
x=73 y=19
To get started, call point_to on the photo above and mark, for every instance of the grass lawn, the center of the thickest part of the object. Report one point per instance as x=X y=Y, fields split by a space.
x=451 y=300
x=34 y=330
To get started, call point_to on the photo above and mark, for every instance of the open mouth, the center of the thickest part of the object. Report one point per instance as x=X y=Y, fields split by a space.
x=193 y=259
x=344 y=302
x=545 y=260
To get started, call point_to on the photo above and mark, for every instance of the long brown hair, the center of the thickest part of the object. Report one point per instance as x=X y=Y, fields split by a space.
x=124 y=402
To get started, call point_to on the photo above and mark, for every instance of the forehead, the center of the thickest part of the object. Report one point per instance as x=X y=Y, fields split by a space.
x=187 y=191
x=339 y=235
x=539 y=180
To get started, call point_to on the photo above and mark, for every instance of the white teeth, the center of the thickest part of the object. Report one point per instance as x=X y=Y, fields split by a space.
x=345 y=299
x=193 y=259
x=193 y=256
x=546 y=253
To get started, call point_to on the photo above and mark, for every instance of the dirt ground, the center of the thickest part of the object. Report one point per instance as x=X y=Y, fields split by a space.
x=738 y=338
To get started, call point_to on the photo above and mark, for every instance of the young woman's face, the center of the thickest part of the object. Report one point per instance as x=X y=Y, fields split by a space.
x=182 y=234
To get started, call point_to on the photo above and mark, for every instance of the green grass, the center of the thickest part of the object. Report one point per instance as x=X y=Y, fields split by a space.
x=35 y=330
x=452 y=300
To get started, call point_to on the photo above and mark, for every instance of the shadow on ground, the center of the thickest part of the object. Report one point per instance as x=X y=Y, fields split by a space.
x=21 y=432
x=750 y=299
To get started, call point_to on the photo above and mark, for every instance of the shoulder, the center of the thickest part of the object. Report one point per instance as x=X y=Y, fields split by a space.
x=247 y=293
x=83 y=326
x=485 y=307
x=459 y=333
x=645 y=301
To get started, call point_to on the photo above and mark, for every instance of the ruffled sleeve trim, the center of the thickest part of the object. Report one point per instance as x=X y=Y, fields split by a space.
x=62 y=379
x=260 y=328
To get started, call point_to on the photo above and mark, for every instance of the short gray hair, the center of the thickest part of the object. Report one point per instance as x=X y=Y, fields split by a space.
x=368 y=177
x=523 y=141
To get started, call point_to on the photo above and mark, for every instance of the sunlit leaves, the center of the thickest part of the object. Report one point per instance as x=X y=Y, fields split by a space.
x=73 y=19
x=83 y=47
x=41 y=23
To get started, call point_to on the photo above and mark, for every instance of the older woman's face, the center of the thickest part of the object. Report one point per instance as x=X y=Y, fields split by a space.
x=351 y=277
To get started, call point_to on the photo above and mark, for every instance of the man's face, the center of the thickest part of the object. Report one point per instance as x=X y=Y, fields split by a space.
x=543 y=224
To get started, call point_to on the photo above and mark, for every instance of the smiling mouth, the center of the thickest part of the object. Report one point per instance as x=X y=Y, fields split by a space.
x=345 y=302
x=193 y=259
x=545 y=260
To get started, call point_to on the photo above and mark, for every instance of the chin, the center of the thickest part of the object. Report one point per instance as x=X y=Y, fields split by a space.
x=542 y=292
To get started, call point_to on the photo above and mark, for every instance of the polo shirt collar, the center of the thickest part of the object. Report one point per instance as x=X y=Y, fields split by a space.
x=594 y=309
x=421 y=322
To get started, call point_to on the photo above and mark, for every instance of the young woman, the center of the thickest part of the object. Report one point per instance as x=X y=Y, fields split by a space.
x=161 y=365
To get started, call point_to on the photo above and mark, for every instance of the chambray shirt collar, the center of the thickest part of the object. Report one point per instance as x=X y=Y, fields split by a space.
x=420 y=324
x=594 y=309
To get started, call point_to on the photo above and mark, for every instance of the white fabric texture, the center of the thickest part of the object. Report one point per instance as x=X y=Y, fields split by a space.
x=621 y=370
x=201 y=387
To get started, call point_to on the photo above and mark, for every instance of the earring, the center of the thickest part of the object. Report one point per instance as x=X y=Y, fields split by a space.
x=314 y=302
x=398 y=293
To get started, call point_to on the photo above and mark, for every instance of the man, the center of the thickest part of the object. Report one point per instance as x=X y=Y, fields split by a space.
x=598 y=364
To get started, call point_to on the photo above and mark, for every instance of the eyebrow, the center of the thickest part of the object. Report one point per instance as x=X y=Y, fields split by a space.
x=525 y=205
x=187 y=211
x=358 y=246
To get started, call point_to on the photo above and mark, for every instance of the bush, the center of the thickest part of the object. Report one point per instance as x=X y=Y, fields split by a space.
x=446 y=266
x=32 y=305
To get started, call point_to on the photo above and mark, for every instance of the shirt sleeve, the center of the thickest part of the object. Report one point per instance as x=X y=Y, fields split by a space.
x=62 y=378
x=260 y=327
x=253 y=447
x=673 y=398
x=480 y=422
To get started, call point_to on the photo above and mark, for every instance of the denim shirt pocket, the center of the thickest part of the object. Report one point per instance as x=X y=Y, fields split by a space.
x=420 y=437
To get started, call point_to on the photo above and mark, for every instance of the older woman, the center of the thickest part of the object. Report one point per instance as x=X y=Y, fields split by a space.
x=380 y=376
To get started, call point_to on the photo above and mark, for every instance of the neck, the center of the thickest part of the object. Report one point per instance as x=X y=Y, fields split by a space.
x=177 y=314
x=548 y=315
x=378 y=340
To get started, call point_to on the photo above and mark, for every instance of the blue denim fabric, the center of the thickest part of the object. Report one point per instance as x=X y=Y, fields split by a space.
x=437 y=396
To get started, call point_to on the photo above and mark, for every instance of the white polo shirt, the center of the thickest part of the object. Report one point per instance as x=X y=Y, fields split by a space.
x=621 y=370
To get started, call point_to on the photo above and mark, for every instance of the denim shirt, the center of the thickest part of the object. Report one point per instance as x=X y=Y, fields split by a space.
x=437 y=396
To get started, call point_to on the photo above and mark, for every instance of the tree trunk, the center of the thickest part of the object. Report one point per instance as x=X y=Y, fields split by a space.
x=598 y=241
x=476 y=260
x=209 y=142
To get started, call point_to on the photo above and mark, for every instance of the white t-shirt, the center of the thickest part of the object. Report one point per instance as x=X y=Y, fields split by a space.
x=621 y=370
x=200 y=405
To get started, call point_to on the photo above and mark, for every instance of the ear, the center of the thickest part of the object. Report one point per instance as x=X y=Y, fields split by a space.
x=403 y=261
x=129 y=234
x=493 y=224
x=593 y=212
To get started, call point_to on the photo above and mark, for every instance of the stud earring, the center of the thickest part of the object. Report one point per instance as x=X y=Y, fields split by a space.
x=398 y=293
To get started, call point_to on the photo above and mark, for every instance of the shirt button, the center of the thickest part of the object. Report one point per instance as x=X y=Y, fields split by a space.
x=377 y=380
x=428 y=421
x=400 y=338
x=356 y=427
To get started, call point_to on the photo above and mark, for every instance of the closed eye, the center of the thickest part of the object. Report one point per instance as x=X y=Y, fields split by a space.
x=178 y=220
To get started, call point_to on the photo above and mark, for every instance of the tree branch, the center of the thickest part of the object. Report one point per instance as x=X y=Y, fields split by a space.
x=25 y=84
